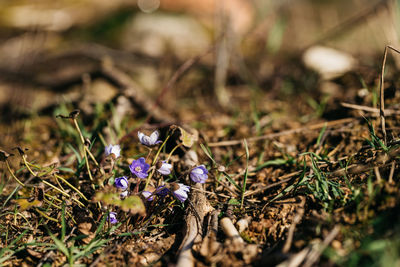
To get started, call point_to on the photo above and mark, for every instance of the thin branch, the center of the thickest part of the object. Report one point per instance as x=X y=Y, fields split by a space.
x=283 y=133
x=382 y=95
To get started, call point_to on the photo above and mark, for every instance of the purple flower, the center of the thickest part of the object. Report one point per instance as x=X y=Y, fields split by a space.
x=112 y=217
x=148 y=195
x=182 y=192
x=110 y=149
x=139 y=168
x=124 y=194
x=165 y=168
x=162 y=191
x=151 y=140
x=199 y=174
x=121 y=183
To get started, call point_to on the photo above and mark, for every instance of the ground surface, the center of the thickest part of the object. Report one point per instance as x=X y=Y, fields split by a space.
x=300 y=171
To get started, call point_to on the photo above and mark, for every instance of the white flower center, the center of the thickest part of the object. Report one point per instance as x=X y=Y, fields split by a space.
x=138 y=169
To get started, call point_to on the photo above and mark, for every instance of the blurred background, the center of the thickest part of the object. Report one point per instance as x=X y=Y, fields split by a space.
x=223 y=53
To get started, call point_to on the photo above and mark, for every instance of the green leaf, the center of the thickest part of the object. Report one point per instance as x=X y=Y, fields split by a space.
x=274 y=162
x=321 y=134
x=103 y=220
x=231 y=181
x=132 y=204
x=60 y=245
x=63 y=225
x=78 y=156
x=234 y=202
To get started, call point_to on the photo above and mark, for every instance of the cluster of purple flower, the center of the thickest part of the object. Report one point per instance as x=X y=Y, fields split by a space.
x=139 y=168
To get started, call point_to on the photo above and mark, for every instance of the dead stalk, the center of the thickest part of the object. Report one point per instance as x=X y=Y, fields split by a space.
x=381 y=92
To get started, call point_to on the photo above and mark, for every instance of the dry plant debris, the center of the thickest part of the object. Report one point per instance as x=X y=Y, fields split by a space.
x=123 y=177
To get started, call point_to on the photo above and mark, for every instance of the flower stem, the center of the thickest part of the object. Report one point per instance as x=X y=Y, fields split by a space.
x=148 y=155
x=85 y=150
x=173 y=150
x=159 y=150
x=27 y=165
x=154 y=162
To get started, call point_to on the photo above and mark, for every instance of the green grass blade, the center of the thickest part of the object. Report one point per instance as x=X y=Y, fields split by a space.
x=100 y=227
x=63 y=225
x=321 y=134
x=60 y=246
x=208 y=153
x=245 y=172
x=232 y=181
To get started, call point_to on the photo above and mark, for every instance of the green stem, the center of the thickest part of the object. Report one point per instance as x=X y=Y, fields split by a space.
x=154 y=162
x=173 y=150
x=62 y=192
x=159 y=150
x=46 y=216
x=53 y=197
x=56 y=188
x=85 y=149
x=245 y=173
x=72 y=187
x=27 y=165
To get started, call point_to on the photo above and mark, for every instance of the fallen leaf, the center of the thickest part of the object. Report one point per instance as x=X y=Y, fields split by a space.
x=132 y=204
x=25 y=204
x=187 y=138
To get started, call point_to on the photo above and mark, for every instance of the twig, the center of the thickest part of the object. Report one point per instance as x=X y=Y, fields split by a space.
x=296 y=220
x=211 y=193
x=283 y=133
x=392 y=172
x=382 y=95
x=377 y=174
x=296 y=259
x=283 y=179
x=370 y=109
x=316 y=252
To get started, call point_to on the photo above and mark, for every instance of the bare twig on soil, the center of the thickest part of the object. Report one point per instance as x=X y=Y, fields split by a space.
x=316 y=251
x=296 y=220
x=381 y=90
x=391 y=172
x=370 y=109
x=283 y=179
x=283 y=133
x=310 y=254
